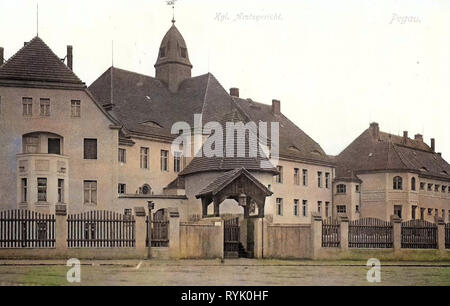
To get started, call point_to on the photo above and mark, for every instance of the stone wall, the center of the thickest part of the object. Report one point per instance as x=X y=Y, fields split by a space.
x=202 y=239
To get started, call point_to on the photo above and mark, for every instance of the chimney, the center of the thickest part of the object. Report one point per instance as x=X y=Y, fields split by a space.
x=2 y=58
x=418 y=137
x=375 y=130
x=276 y=107
x=433 y=144
x=405 y=137
x=70 y=57
x=25 y=43
x=234 y=92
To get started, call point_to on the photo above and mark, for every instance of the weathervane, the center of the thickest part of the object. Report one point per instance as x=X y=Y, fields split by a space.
x=172 y=3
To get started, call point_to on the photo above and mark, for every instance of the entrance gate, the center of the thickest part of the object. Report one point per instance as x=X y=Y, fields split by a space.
x=231 y=238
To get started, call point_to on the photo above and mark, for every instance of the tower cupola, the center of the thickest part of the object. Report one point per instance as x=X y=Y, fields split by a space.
x=173 y=65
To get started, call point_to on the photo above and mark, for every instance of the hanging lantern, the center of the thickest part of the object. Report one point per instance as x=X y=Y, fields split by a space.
x=243 y=199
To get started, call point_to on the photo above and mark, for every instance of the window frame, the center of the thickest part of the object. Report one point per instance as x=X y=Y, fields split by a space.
x=86 y=153
x=279 y=177
x=296 y=176
x=304 y=208
x=121 y=188
x=122 y=158
x=279 y=206
x=44 y=107
x=397 y=182
x=75 y=108
x=164 y=161
x=144 y=158
x=27 y=107
x=305 y=177
x=339 y=209
x=319 y=179
x=90 y=186
x=24 y=190
x=327 y=180
x=341 y=189
x=42 y=189
x=177 y=161
x=60 y=191
x=296 y=207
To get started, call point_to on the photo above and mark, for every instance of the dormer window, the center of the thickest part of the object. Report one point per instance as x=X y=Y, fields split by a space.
x=183 y=52
x=162 y=52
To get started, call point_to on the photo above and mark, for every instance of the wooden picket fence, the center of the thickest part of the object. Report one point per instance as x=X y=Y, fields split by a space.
x=26 y=229
x=101 y=229
x=419 y=234
x=331 y=233
x=370 y=233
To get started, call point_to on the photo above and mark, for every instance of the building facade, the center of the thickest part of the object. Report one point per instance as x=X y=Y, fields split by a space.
x=109 y=146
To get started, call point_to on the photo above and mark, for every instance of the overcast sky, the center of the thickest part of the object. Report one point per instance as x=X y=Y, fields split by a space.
x=336 y=66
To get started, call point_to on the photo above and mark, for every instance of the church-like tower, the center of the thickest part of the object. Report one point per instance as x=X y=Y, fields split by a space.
x=173 y=65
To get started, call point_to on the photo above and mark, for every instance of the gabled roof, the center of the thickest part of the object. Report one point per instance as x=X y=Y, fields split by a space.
x=145 y=105
x=386 y=152
x=294 y=143
x=245 y=153
x=36 y=64
x=227 y=178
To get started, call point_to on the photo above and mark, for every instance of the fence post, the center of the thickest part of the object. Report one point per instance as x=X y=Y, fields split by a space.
x=316 y=234
x=141 y=230
x=174 y=233
x=396 y=232
x=61 y=229
x=343 y=220
x=440 y=234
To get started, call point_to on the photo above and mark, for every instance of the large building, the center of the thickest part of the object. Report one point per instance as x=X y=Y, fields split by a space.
x=109 y=146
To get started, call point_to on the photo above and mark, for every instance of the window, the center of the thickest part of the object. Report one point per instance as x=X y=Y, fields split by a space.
x=183 y=52
x=90 y=192
x=279 y=207
x=164 y=160
x=319 y=179
x=44 y=107
x=444 y=188
x=304 y=208
x=127 y=212
x=341 y=209
x=422 y=186
x=27 y=107
x=90 y=148
x=327 y=209
x=357 y=209
x=144 y=158
x=122 y=189
x=75 y=108
x=319 y=207
x=398 y=183
x=327 y=180
x=357 y=188
x=296 y=208
x=443 y=213
x=146 y=189
x=341 y=188
x=42 y=189
x=60 y=191
x=305 y=177
x=413 y=212
x=279 y=177
x=430 y=211
x=430 y=187
x=422 y=213
x=398 y=210
x=54 y=146
x=122 y=156
x=24 y=188
x=31 y=144
x=413 y=184
x=436 y=188
x=296 y=176
x=177 y=161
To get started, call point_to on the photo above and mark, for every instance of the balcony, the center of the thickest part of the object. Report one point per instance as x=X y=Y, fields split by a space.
x=42 y=164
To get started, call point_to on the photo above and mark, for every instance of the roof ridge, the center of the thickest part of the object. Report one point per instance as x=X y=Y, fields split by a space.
x=17 y=52
x=206 y=93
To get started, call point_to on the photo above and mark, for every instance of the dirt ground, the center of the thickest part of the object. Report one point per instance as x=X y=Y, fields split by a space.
x=240 y=272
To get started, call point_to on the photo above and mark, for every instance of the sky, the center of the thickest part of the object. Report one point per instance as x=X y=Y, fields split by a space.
x=336 y=66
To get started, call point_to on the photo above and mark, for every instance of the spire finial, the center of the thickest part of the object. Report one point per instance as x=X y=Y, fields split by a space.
x=172 y=3
x=37 y=19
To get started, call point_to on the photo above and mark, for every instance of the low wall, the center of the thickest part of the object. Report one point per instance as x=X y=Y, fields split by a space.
x=287 y=241
x=383 y=254
x=201 y=240
x=90 y=253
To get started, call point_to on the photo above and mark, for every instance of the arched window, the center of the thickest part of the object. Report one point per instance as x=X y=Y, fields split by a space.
x=146 y=189
x=398 y=183
x=413 y=184
x=341 y=188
